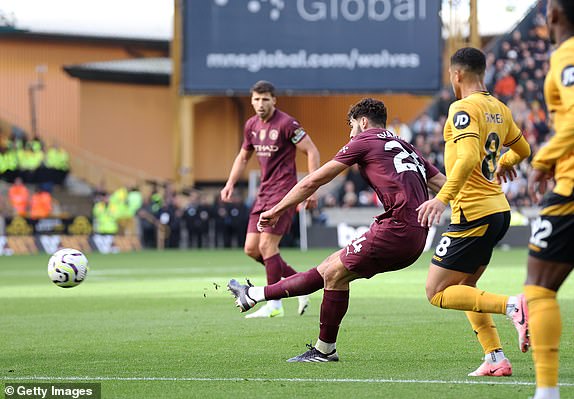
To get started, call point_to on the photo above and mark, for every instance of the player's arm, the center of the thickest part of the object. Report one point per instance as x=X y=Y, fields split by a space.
x=239 y=165
x=519 y=150
x=307 y=146
x=467 y=157
x=559 y=145
x=436 y=182
x=302 y=190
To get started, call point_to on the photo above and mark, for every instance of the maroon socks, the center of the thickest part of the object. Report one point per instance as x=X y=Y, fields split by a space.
x=333 y=309
x=303 y=283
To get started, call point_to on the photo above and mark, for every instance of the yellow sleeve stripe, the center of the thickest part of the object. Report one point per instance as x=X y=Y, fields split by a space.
x=465 y=135
x=559 y=209
x=513 y=141
x=478 y=231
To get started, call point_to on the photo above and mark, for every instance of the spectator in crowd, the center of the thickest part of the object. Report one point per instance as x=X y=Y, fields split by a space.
x=505 y=87
x=40 y=203
x=57 y=162
x=231 y=223
x=401 y=129
x=148 y=222
x=19 y=197
x=489 y=74
x=532 y=92
x=8 y=164
x=197 y=215
x=170 y=216
x=518 y=107
x=105 y=221
x=442 y=104
x=134 y=200
x=424 y=125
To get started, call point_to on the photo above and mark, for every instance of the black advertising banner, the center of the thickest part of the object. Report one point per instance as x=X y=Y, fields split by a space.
x=311 y=46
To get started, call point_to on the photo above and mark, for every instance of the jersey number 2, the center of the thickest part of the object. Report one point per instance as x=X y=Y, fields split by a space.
x=541 y=230
x=414 y=165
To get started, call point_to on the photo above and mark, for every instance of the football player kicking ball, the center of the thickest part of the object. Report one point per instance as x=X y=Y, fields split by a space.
x=477 y=127
x=400 y=176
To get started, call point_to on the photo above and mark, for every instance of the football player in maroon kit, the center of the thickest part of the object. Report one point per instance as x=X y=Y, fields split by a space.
x=274 y=137
x=399 y=175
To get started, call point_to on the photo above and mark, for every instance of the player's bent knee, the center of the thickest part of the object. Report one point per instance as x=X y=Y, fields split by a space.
x=252 y=252
x=434 y=297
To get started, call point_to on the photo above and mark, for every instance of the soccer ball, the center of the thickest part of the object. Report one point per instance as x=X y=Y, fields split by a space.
x=68 y=267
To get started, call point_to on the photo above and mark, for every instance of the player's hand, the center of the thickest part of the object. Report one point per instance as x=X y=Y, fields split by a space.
x=267 y=219
x=311 y=202
x=538 y=184
x=505 y=174
x=226 y=193
x=430 y=212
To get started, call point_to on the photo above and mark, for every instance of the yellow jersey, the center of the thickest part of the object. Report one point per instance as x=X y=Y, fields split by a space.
x=559 y=95
x=475 y=131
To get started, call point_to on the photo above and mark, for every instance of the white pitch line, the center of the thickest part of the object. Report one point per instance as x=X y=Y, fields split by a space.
x=247 y=379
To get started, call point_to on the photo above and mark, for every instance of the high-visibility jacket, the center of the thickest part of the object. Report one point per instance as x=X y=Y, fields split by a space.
x=19 y=197
x=40 y=205
x=104 y=219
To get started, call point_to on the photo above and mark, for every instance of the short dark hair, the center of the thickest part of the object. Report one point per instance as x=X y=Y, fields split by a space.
x=374 y=110
x=263 y=86
x=568 y=7
x=470 y=58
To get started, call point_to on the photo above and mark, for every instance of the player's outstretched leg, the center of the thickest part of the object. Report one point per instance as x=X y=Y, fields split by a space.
x=519 y=317
x=313 y=355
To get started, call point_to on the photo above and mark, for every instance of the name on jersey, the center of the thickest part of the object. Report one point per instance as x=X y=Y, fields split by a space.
x=387 y=134
x=568 y=76
x=493 y=118
x=265 y=150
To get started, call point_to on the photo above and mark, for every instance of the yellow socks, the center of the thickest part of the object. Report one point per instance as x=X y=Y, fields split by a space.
x=545 y=327
x=485 y=330
x=463 y=297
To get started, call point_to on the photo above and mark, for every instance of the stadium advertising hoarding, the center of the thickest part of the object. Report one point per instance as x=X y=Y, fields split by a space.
x=26 y=236
x=311 y=45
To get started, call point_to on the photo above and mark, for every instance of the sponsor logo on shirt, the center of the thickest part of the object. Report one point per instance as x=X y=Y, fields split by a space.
x=298 y=135
x=273 y=134
x=344 y=149
x=568 y=76
x=461 y=120
x=265 y=150
x=254 y=134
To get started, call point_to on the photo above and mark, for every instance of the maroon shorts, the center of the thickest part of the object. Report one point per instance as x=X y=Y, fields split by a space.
x=388 y=245
x=281 y=228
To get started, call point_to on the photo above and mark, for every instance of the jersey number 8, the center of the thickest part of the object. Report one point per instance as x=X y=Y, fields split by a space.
x=492 y=145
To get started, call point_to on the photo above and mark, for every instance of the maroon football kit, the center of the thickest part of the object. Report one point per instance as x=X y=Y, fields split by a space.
x=274 y=144
x=398 y=174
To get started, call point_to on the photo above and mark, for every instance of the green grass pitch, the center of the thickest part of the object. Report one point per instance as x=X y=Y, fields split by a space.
x=162 y=325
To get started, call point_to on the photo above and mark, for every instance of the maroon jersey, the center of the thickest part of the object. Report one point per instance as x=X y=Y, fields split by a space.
x=393 y=168
x=274 y=145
